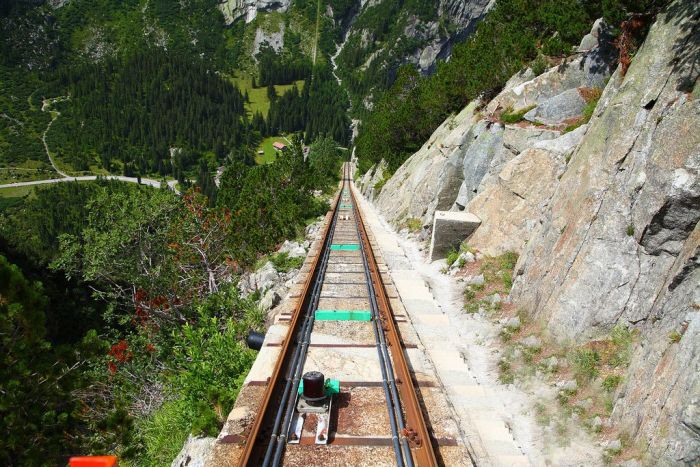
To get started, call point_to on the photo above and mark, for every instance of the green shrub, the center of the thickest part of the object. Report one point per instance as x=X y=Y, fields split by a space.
x=586 y=363
x=507 y=280
x=414 y=224
x=611 y=382
x=675 y=337
x=469 y=293
x=505 y=372
x=507 y=260
x=630 y=230
x=539 y=65
x=622 y=338
x=283 y=263
x=452 y=256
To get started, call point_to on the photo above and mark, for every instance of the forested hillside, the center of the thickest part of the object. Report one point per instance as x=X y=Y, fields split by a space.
x=146 y=277
x=148 y=280
x=145 y=87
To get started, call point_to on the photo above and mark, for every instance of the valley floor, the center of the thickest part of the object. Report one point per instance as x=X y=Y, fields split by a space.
x=499 y=421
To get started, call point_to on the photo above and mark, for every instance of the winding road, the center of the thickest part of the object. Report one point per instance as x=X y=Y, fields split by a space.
x=68 y=178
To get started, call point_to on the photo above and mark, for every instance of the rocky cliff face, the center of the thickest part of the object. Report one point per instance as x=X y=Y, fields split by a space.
x=464 y=15
x=248 y=9
x=605 y=217
x=619 y=240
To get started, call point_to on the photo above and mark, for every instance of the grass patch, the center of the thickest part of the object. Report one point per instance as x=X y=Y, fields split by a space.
x=414 y=224
x=16 y=192
x=511 y=116
x=505 y=372
x=675 y=337
x=165 y=432
x=283 y=263
x=258 y=100
x=269 y=152
x=500 y=268
x=611 y=382
x=452 y=256
x=586 y=364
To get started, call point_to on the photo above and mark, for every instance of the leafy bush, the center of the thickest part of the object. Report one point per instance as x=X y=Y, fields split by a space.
x=586 y=364
x=611 y=382
x=452 y=256
x=414 y=224
x=283 y=263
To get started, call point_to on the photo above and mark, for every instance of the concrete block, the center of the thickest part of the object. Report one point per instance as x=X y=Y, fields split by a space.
x=449 y=230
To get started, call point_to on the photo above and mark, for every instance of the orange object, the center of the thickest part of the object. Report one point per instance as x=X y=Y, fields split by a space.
x=93 y=461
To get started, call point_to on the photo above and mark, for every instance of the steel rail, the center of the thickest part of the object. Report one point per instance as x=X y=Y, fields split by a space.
x=393 y=404
x=416 y=429
x=311 y=281
x=302 y=349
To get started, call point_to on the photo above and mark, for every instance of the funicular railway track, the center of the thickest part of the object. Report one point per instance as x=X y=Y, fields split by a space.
x=361 y=411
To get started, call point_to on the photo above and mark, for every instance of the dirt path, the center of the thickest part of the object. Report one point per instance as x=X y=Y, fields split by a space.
x=46 y=106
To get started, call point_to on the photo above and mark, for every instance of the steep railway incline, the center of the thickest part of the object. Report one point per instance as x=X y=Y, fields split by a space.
x=376 y=400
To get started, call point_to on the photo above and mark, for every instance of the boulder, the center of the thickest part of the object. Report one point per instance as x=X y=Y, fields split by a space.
x=600 y=35
x=270 y=300
x=293 y=249
x=475 y=280
x=518 y=138
x=266 y=276
x=513 y=323
x=429 y=180
x=597 y=424
x=531 y=342
x=484 y=139
x=449 y=230
x=512 y=204
x=569 y=385
x=467 y=257
x=555 y=110
x=195 y=452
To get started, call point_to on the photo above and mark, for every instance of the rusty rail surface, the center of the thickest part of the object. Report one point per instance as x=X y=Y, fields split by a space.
x=416 y=428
